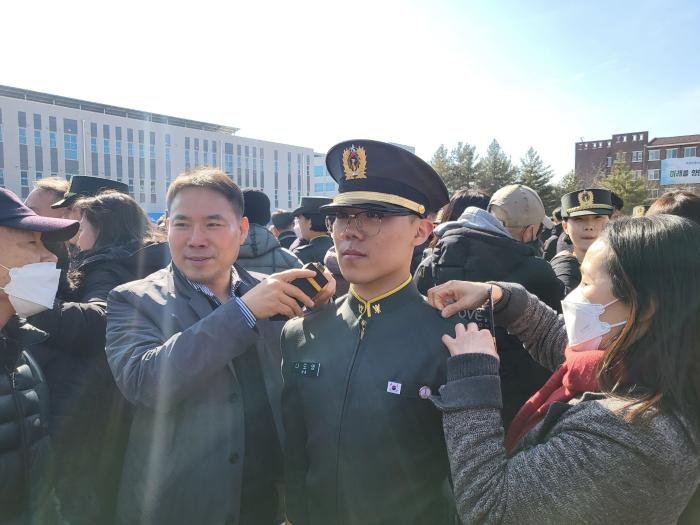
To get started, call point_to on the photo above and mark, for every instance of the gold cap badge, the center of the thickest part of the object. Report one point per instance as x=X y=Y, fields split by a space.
x=585 y=199
x=355 y=162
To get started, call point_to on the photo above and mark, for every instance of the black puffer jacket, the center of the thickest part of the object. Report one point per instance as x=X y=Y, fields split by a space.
x=25 y=452
x=489 y=254
x=89 y=418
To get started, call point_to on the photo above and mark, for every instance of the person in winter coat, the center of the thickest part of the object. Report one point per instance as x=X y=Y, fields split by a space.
x=614 y=435
x=28 y=284
x=478 y=247
x=261 y=252
x=89 y=419
x=314 y=238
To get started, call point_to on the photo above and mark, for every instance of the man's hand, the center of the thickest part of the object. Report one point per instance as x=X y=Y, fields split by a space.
x=470 y=341
x=327 y=292
x=455 y=296
x=276 y=295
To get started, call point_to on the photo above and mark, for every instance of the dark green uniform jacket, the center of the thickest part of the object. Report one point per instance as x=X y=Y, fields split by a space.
x=315 y=251
x=364 y=443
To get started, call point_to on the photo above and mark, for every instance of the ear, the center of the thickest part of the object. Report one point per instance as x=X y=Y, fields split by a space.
x=244 y=226
x=424 y=227
x=565 y=225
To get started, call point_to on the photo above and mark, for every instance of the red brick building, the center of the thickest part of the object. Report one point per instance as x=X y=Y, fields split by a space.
x=644 y=156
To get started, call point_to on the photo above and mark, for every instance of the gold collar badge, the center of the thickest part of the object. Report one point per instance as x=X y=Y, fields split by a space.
x=355 y=162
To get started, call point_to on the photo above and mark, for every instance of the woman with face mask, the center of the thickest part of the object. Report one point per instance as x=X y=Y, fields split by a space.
x=614 y=435
x=89 y=419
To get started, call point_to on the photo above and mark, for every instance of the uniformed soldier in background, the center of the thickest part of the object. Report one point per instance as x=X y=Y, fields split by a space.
x=364 y=445
x=312 y=229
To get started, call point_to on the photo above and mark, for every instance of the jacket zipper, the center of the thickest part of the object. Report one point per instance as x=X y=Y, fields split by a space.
x=363 y=327
x=24 y=450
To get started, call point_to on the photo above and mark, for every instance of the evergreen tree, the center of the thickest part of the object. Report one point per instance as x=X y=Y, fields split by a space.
x=634 y=191
x=495 y=170
x=534 y=174
x=570 y=182
x=456 y=168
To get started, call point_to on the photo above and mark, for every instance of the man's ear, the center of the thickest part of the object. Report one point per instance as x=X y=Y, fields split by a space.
x=244 y=226
x=423 y=230
x=565 y=226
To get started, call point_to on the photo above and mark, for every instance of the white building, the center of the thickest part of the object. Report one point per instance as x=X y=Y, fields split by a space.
x=322 y=184
x=45 y=135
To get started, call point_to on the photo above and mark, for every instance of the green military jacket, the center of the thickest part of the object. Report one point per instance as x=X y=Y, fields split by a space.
x=364 y=443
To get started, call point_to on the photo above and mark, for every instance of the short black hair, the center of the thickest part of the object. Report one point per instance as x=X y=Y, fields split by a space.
x=557 y=213
x=208 y=179
x=283 y=220
x=318 y=221
x=256 y=206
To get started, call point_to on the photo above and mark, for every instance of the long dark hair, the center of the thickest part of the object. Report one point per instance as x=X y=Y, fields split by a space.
x=460 y=201
x=654 y=265
x=117 y=218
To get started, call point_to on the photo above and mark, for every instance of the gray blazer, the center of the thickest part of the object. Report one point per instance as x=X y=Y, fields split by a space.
x=170 y=354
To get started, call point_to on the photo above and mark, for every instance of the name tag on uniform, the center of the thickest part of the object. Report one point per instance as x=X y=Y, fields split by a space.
x=307 y=368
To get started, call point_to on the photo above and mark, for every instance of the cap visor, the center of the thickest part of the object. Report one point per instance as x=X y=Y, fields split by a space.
x=51 y=229
x=364 y=205
x=66 y=201
x=589 y=212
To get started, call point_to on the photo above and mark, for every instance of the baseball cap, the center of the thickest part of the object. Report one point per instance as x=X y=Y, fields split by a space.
x=518 y=206
x=14 y=214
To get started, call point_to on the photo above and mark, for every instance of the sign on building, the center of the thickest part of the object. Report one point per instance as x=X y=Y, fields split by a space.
x=680 y=171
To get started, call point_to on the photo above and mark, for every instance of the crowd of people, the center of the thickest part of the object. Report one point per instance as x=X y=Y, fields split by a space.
x=466 y=359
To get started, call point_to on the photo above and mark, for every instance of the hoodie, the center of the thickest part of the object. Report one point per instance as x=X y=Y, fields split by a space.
x=262 y=253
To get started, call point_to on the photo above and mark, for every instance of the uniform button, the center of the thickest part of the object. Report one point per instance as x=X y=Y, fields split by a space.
x=233 y=458
x=233 y=397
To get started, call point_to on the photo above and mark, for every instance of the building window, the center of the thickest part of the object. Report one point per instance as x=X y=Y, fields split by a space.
x=118 y=147
x=105 y=146
x=38 y=175
x=22 y=136
x=319 y=187
x=142 y=151
x=653 y=174
x=152 y=151
x=636 y=156
x=672 y=153
x=624 y=138
x=52 y=139
x=318 y=171
x=93 y=145
x=636 y=174
x=609 y=161
x=37 y=137
x=70 y=146
x=130 y=149
x=2 y=177
x=654 y=193
x=654 y=154
x=689 y=151
x=24 y=181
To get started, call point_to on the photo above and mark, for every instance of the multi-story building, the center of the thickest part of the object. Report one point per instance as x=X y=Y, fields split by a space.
x=666 y=162
x=323 y=184
x=47 y=135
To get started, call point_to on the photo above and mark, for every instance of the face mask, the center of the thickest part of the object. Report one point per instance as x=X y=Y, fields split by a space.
x=584 y=328
x=32 y=287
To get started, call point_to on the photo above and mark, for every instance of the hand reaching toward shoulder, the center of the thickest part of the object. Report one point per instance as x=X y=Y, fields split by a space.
x=470 y=341
x=455 y=296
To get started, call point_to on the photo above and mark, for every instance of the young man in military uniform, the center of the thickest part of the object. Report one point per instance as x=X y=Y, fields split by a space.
x=312 y=225
x=585 y=213
x=364 y=444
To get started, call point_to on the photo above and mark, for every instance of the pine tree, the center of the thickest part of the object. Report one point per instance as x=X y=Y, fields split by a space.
x=495 y=170
x=634 y=191
x=534 y=174
x=456 y=168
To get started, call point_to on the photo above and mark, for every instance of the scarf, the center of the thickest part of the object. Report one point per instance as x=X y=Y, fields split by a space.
x=578 y=374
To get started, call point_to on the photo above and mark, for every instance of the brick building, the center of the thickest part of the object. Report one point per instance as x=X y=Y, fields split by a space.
x=644 y=157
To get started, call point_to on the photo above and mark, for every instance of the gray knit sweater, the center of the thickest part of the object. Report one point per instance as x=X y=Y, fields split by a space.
x=582 y=464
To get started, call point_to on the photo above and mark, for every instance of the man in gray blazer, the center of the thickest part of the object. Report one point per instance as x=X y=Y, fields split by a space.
x=192 y=348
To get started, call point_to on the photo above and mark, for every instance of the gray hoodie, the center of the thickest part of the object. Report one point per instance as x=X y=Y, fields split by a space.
x=476 y=219
x=262 y=253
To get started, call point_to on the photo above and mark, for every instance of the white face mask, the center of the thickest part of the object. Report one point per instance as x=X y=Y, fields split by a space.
x=32 y=287
x=584 y=328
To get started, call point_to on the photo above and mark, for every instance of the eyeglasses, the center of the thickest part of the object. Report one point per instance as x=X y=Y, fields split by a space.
x=367 y=223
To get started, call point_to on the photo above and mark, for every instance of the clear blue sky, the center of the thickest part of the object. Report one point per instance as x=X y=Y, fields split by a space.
x=315 y=72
